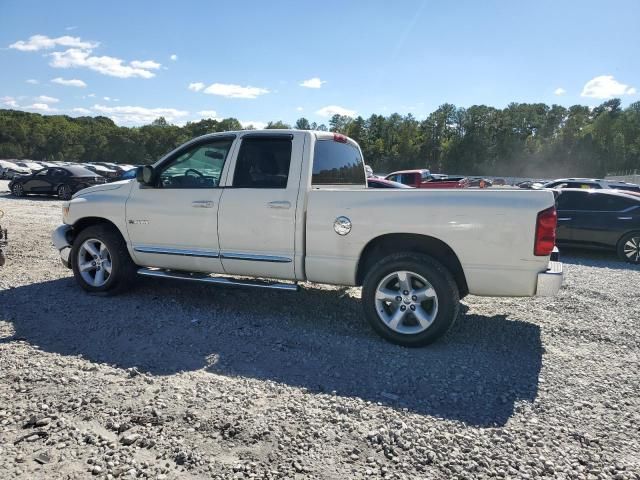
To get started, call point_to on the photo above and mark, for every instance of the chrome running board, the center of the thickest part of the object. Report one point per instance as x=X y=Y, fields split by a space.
x=205 y=278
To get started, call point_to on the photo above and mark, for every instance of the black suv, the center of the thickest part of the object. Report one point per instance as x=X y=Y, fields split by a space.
x=600 y=219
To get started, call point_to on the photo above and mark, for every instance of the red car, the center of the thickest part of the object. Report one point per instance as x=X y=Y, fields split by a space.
x=425 y=179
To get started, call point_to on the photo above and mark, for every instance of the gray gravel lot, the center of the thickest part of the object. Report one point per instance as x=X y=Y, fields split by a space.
x=175 y=380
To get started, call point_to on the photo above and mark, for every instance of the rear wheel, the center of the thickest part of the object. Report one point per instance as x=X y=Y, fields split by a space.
x=629 y=248
x=410 y=299
x=101 y=261
x=18 y=190
x=64 y=192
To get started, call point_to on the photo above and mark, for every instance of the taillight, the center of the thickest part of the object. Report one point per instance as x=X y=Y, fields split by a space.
x=339 y=138
x=545 y=232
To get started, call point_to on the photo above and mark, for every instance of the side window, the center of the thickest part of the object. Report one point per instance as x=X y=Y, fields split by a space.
x=263 y=162
x=581 y=185
x=337 y=163
x=610 y=203
x=393 y=178
x=198 y=167
x=44 y=173
x=571 y=201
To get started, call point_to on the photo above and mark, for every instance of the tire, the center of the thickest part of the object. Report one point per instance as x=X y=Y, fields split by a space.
x=87 y=266
x=629 y=248
x=423 y=317
x=18 y=190
x=64 y=192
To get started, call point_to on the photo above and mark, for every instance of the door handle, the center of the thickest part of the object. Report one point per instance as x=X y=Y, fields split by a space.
x=202 y=204
x=625 y=218
x=564 y=218
x=281 y=204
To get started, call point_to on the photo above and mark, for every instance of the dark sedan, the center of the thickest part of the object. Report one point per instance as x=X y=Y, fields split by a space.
x=60 y=181
x=600 y=219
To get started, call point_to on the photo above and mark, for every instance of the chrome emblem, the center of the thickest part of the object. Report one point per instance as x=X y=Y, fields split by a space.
x=138 y=222
x=342 y=225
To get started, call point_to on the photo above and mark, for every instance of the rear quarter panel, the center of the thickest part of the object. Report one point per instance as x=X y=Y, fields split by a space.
x=491 y=232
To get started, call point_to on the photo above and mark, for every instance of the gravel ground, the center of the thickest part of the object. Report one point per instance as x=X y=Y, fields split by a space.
x=177 y=380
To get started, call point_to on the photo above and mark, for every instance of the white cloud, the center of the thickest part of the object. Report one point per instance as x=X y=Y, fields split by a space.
x=314 y=82
x=106 y=65
x=253 y=123
x=33 y=81
x=234 y=91
x=559 y=91
x=9 y=102
x=208 y=114
x=82 y=111
x=72 y=82
x=605 y=86
x=42 y=42
x=331 y=110
x=107 y=98
x=42 y=107
x=173 y=57
x=196 y=86
x=45 y=99
x=91 y=95
x=146 y=65
x=139 y=115
x=73 y=27
x=299 y=109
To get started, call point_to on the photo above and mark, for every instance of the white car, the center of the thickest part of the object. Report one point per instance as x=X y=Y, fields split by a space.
x=30 y=164
x=293 y=206
x=9 y=169
x=591 y=183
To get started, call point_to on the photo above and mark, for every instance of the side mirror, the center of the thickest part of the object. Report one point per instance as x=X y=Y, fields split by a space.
x=144 y=175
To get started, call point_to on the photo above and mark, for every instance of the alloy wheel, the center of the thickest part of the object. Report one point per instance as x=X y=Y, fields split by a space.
x=631 y=249
x=406 y=302
x=94 y=262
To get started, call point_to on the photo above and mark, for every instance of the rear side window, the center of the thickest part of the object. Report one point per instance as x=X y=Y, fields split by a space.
x=610 y=203
x=337 y=163
x=263 y=163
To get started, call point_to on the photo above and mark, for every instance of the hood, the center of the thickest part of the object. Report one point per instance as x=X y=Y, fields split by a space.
x=103 y=187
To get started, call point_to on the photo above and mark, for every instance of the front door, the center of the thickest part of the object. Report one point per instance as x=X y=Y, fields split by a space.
x=173 y=223
x=39 y=182
x=257 y=216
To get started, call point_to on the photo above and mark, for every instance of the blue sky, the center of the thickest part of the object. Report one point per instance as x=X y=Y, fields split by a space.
x=280 y=60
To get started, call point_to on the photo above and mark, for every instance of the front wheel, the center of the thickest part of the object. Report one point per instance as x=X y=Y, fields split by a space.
x=101 y=261
x=410 y=299
x=64 y=192
x=18 y=190
x=629 y=248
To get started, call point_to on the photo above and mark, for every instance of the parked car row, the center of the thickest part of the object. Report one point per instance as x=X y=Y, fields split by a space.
x=60 y=178
x=11 y=168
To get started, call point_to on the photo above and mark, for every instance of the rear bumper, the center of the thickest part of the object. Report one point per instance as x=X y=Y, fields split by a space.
x=60 y=239
x=550 y=281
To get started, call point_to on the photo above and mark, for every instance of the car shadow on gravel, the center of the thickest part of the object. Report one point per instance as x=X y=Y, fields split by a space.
x=595 y=258
x=316 y=339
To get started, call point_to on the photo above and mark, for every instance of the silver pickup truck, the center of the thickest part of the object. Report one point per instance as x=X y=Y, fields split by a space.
x=292 y=206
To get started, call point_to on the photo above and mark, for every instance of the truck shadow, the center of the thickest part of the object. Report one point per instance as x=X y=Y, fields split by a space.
x=316 y=339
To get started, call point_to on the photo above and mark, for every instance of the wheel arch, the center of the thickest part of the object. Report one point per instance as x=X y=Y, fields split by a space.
x=384 y=245
x=86 y=222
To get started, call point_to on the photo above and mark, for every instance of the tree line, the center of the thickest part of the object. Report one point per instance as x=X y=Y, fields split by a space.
x=523 y=139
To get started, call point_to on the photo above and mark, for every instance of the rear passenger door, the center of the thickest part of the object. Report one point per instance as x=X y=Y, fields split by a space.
x=257 y=215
